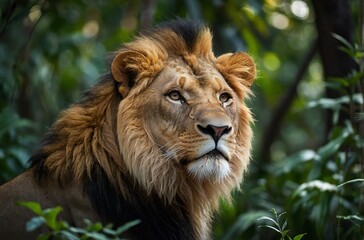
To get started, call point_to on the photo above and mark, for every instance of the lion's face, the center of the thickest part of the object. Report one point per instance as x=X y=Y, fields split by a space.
x=192 y=118
x=188 y=125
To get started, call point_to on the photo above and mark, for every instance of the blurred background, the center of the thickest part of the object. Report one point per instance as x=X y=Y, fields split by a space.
x=307 y=169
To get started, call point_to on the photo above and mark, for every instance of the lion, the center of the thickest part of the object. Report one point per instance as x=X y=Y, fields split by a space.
x=161 y=138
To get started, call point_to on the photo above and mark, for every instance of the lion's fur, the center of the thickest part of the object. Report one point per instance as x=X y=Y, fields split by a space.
x=91 y=146
x=84 y=135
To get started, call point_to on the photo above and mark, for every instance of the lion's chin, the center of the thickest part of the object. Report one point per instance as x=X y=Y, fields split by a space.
x=213 y=167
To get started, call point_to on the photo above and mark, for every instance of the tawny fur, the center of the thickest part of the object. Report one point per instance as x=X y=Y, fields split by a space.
x=109 y=129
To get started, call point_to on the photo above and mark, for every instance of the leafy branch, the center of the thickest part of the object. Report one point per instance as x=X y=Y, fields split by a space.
x=278 y=227
x=62 y=230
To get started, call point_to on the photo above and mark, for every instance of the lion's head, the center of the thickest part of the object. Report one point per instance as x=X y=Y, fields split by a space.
x=182 y=121
x=170 y=121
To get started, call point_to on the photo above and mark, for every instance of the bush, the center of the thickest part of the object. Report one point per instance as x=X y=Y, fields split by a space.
x=62 y=230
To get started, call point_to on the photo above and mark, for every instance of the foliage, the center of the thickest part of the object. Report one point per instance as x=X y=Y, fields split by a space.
x=278 y=227
x=62 y=230
x=15 y=144
x=319 y=188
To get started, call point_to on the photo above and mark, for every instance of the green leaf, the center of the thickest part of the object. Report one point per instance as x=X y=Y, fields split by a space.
x=351 y=217
x=96 y=235
x=110 y=231
x=280 y=215
x=335 y=104
x=350 y=182
x=51 y=215
x=87 y=222
x=77 y=230
x=332 y=146
x=44 y=236
x=109 y=226
x=267 y=218
x=284 y=233
x=315 y=184
x=127 y=226
x=359 y=54
x=343 y=41
x=298 y=237
x=326 y=103
x=34 y=223
x=284 y=225
x=293 y=161
x=271 y=227
x=243 y=222
x=67 y=235
x=33 y=206
x=94 y=227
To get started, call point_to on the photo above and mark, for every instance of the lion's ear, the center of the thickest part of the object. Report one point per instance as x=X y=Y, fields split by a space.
x=125 y=68
x=237 y=68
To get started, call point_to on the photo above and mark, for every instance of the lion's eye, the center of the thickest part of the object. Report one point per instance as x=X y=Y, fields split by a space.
x=225 y=98
x=175 y=96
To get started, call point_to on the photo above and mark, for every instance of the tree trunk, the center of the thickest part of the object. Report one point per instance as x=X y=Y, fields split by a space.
x=334 y=17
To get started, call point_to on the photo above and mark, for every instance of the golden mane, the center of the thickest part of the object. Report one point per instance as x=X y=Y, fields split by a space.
x=85 y=138
x=85 y=133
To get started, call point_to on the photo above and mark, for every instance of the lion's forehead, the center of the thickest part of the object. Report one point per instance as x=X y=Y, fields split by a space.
x=202 y=77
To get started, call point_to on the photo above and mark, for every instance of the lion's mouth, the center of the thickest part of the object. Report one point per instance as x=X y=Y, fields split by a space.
x=214 y=154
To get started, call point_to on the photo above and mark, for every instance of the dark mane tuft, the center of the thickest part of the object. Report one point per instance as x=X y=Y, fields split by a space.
x=187 y=29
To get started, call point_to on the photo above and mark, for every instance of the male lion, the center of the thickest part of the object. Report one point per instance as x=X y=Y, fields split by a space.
x=161 y=138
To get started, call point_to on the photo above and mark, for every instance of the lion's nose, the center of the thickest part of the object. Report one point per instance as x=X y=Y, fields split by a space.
x=215 y=132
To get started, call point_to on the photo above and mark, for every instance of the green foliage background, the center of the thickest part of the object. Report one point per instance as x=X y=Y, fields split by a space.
x=51 y=51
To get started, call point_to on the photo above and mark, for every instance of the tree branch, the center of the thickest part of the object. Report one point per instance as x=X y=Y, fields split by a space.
x=6 y=15
x=275 y=123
